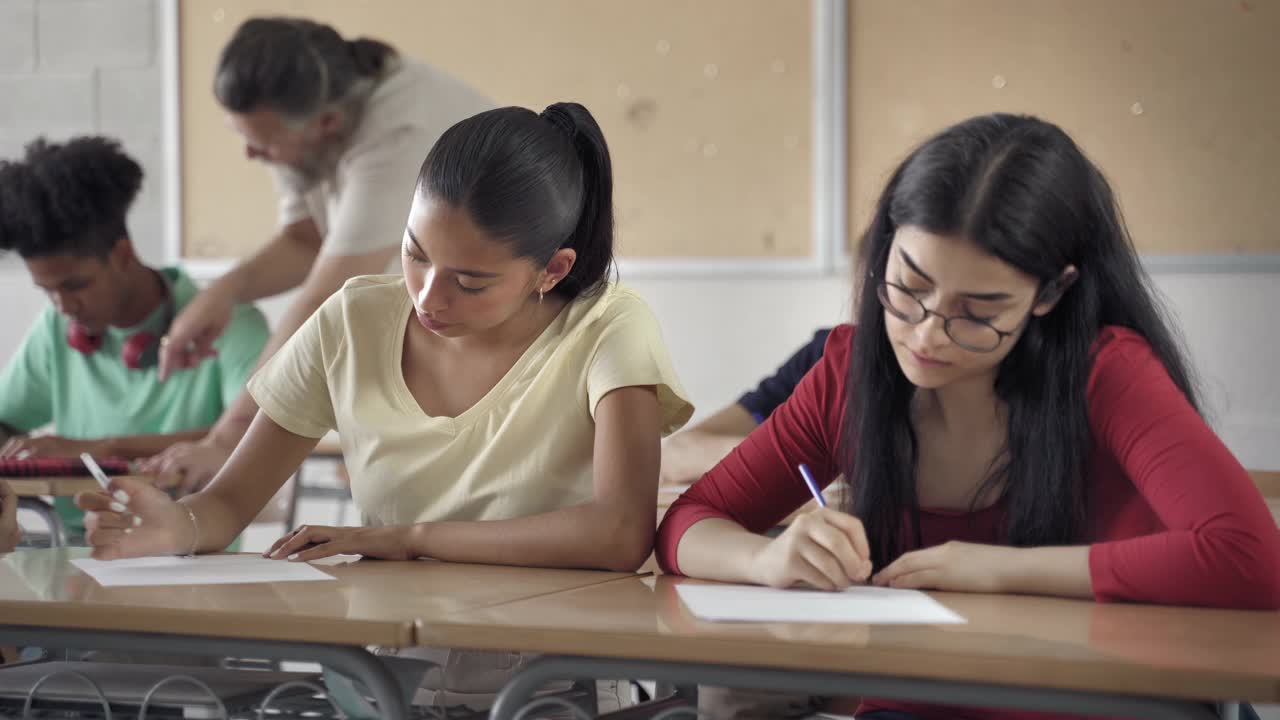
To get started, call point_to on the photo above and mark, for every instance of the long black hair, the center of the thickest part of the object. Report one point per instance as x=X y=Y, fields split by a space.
x=1023 y=191
x=538 y=182
x=67 y=198
x=295 y=67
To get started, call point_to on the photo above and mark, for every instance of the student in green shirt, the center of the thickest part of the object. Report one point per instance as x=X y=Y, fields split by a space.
x=88 y=365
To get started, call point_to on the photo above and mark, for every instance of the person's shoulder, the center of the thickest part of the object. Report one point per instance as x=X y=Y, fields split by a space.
x=413 y=99
x=615 y=303
x=432 y=86
x=1122 y=359
x=1118 y=348
x=364 y=296
x=839 y=342
x=50 y=320
x=371 y=290
x=50 y=326
x=363 y=310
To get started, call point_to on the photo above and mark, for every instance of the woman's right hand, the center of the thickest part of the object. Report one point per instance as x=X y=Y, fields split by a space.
x=135 y=520
x=824 y=549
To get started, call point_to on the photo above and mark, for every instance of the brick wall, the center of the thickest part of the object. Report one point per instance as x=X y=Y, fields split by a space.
x=71 y=67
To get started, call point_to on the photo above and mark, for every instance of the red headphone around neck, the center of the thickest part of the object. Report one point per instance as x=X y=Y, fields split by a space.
x=141 y=350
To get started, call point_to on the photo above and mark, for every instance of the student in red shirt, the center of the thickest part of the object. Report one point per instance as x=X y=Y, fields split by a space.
x=1012 y=411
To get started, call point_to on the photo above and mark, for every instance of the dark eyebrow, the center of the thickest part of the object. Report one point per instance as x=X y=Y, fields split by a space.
x=982 y=297
x=61 y=284
x=456 y=271
x=912 y=264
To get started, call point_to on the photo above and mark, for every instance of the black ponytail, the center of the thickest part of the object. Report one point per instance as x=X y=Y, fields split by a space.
x=538 y=182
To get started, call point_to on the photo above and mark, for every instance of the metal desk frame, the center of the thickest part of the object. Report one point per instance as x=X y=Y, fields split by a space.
x=519 y=691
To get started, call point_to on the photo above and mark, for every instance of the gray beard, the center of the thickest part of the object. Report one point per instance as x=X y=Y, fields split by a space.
x=322 y=162
x=317 y=166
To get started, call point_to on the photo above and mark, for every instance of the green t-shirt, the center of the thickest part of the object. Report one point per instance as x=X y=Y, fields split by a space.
x=88 y=397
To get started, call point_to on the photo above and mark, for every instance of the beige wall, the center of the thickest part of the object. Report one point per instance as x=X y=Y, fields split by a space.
x=1176 y=100
x=705 y=106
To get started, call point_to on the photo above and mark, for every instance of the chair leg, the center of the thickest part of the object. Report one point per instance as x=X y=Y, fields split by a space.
x=291 y=515
x=57 y=532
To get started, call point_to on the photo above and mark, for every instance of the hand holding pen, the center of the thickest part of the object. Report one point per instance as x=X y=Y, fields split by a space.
x=132 y=518
x=825 y=549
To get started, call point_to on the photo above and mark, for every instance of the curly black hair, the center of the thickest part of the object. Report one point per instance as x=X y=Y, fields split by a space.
x=67 y=198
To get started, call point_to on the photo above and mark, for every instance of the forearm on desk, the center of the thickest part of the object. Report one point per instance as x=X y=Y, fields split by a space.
x=1057 y=571
x=592 y=535
x=718 y=549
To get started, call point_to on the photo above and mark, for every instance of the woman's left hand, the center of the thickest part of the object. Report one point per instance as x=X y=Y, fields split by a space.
x=312 y=542
x=955 y=566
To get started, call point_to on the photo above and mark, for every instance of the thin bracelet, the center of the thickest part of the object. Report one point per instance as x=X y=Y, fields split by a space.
x=195 y=530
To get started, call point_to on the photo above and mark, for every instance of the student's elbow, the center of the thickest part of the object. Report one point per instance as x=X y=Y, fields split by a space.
x=632 y=552
x=1252 y=564
x=627 y=545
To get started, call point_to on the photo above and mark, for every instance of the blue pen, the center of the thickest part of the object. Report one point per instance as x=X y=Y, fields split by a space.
x=813 y=486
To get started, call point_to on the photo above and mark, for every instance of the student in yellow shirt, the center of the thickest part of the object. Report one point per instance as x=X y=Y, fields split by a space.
x=502 y=402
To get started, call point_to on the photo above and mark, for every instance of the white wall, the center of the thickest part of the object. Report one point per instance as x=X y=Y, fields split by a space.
x=71 y=67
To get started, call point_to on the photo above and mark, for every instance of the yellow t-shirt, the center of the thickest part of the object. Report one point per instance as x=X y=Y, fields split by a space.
x=522 y=449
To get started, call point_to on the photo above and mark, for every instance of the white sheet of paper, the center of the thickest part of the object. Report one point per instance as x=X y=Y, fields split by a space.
x=859 y=604
x=202 y=570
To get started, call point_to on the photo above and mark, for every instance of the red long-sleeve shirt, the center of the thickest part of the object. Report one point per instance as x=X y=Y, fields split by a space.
x=1176 y=519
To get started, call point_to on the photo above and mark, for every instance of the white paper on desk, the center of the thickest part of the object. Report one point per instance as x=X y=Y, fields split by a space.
x=202 y=570
x=859 y=604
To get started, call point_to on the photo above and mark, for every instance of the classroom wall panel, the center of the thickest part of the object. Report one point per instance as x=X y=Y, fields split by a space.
x=706 y=106
x=1176 y=101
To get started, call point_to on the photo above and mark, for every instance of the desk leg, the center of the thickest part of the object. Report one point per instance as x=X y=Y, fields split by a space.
x=520 y=690
x=291 y=514
x=354 y=662
x=57 y=533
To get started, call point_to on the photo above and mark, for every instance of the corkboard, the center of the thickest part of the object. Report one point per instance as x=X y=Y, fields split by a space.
x=1178 y=102
x=706 y=105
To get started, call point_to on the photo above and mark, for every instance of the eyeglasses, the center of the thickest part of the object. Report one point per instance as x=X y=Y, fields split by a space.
x=969 y=333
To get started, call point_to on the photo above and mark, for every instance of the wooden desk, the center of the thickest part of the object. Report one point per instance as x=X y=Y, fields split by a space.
x=1033 y=652
x=45 y=601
